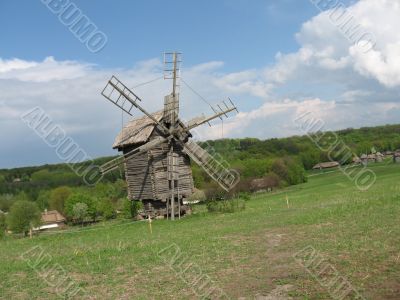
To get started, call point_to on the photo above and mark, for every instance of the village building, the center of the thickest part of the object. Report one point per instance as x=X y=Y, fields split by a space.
x=379 y=157
x=364 y=159
x=326 y=165
x=388 y=153
x=396 y=157
x=51 y=220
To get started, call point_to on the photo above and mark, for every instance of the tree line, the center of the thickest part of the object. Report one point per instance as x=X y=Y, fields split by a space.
x=263 y=164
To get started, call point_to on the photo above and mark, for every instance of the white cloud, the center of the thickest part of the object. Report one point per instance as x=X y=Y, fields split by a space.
x=328 y=45
x=327 y=76
x=47 y=70
x=15 y=64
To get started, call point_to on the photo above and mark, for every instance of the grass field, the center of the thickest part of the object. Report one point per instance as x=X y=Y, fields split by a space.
x=246 y=254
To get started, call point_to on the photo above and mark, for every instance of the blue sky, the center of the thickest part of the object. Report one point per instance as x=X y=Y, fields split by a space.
x=243 y=34
x=276 y=59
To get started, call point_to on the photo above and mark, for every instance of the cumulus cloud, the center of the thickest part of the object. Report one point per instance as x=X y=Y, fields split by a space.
x=329 y=76
x=47 y=70
x=326 y=42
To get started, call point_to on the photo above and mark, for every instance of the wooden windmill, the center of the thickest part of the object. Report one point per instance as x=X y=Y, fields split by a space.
x=157 y=148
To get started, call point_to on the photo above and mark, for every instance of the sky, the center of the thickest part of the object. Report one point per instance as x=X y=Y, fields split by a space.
x=275 y=59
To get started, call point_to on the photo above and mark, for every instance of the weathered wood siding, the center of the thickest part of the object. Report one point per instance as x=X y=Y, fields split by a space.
x=146 y=174
x=138 y=176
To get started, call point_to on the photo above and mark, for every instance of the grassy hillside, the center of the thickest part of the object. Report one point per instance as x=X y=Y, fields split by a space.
x=246 y=253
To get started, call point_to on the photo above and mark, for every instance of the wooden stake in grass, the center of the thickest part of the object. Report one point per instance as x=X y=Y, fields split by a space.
x=151 y=229
x=287 y=201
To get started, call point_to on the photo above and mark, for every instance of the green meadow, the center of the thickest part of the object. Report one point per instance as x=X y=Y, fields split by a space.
x=242 y=255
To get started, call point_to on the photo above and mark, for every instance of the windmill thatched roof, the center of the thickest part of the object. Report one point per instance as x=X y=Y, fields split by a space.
x=137 y=131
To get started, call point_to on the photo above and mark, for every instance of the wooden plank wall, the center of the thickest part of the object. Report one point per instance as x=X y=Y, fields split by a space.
x=138 y=176
x=146 y=174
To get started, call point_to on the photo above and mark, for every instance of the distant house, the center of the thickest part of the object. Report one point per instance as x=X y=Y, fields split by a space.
x=379 y=157
x=396 y=157
x=17 y=180
x=52 y=220
x=326 y=165
x=356 y=160
x=374 y=157
x=388 y=153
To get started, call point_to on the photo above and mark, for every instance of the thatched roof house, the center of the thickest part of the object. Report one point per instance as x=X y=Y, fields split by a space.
x=396 y=157
x=366 y=158
x=51 y=220
x=379 y=157
x=326 y=165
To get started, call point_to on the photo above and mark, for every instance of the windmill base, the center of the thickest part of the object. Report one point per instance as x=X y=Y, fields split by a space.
x=157 y=209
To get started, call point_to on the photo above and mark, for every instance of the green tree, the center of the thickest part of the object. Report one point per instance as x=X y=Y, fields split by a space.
x=80 y=212
x=23 y=216
x=22 y=196
x=106 y=209
x=42 y=199
x=80 y=198
x=58 y=196
x=6 y=201
x=131 y=208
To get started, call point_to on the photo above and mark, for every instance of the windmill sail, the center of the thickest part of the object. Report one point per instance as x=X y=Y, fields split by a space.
x=121 y=96
x=116 y=162
x=216 y=170
x=218 y=113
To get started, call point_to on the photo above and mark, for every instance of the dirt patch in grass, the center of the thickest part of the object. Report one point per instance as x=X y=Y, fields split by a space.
x=261 y=266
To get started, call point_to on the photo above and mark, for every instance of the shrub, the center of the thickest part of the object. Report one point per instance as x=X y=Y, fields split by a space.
x=131 y=208
x=3 y=225
x=215 y=192
x=226 y=206
x=289 y=170
x=80 y=212
x=136 y=207
x=245 y=196
x=106 y=209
